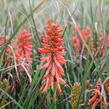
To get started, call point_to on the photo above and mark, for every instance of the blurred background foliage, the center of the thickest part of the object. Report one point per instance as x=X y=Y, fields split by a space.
x=13 y=10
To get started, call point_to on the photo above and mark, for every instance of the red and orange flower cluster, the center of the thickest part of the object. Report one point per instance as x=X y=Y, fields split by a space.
x=24 y=46
x=52 y=55
x=19 y=49
x=97 y=42
x=82 y=36
x=53 y=52
x=99 y=97
x=79 y=36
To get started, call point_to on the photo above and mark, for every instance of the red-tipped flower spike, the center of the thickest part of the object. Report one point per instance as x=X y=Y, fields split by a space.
x=99 y=95
x=77 y=40
x=52 y=47
x=24 y=46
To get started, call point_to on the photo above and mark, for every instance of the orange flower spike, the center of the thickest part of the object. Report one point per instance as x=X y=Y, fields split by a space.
x=86 y=35
x=76 y=42
x=98 y=98
x=77 y=39
x=92 y=100
x=24 y=46
x=53 y=56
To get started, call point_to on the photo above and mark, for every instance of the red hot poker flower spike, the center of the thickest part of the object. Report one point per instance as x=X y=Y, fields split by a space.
x=24 y=46
x=98 y=97
x=52 y=47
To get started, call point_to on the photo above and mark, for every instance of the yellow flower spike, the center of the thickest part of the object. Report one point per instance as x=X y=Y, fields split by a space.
x=75 y=92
